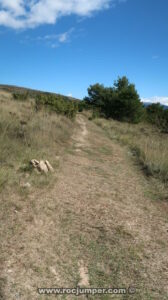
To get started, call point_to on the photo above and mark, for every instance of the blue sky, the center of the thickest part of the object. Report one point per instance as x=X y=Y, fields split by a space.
x=64 y=46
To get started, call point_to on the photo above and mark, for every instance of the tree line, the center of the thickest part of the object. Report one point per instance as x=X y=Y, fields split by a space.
x=122 y=102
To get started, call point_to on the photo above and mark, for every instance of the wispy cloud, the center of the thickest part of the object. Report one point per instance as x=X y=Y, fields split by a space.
x=19 y=14
x=156 y=99
x=53 y=40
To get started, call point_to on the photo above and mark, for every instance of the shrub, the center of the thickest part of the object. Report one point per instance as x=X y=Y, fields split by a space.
x=57 y=103
x=95 y=114
x=120 y=102
x=157 y=115
x=82 y=105
x=20 y=96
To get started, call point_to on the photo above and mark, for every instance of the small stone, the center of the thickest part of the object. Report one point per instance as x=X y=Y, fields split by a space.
x=34 y=162
x=42 y=167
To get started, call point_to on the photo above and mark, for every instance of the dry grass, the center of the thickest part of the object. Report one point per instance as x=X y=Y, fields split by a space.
x=91 y=228
x=145 y=141
x=26 y=134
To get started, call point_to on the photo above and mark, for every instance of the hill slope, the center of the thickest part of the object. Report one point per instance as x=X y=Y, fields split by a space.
x=95 y=224
x=16 y=89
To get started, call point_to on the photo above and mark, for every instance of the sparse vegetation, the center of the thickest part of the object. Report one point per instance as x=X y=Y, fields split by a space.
x=26 y=134
x=20 y=96
x=145 y=141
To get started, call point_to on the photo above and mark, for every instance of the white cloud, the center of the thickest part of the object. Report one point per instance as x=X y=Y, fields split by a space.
x=31 y=13
x=15 y=8
x=162 y=100
x=63 y=37
x=54 y=40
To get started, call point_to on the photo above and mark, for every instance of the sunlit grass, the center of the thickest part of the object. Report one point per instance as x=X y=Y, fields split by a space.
x=26 y=134
x=146 y=142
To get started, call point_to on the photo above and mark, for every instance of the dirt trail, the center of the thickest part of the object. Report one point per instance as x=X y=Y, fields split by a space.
x=97 y=227
x=79 y=137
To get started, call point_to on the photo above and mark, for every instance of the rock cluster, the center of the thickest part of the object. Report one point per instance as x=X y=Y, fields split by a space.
x=42 y=166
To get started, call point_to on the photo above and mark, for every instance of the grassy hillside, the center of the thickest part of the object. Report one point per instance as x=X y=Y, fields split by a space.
x=26 y=134
x=146 y=142
x=31 y=92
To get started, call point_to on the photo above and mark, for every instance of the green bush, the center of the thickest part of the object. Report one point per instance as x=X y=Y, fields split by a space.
x=120 y=102
x=81 y=106
x=157 y=115
x=95 y=115
x=59 y=104
x=20 y=96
